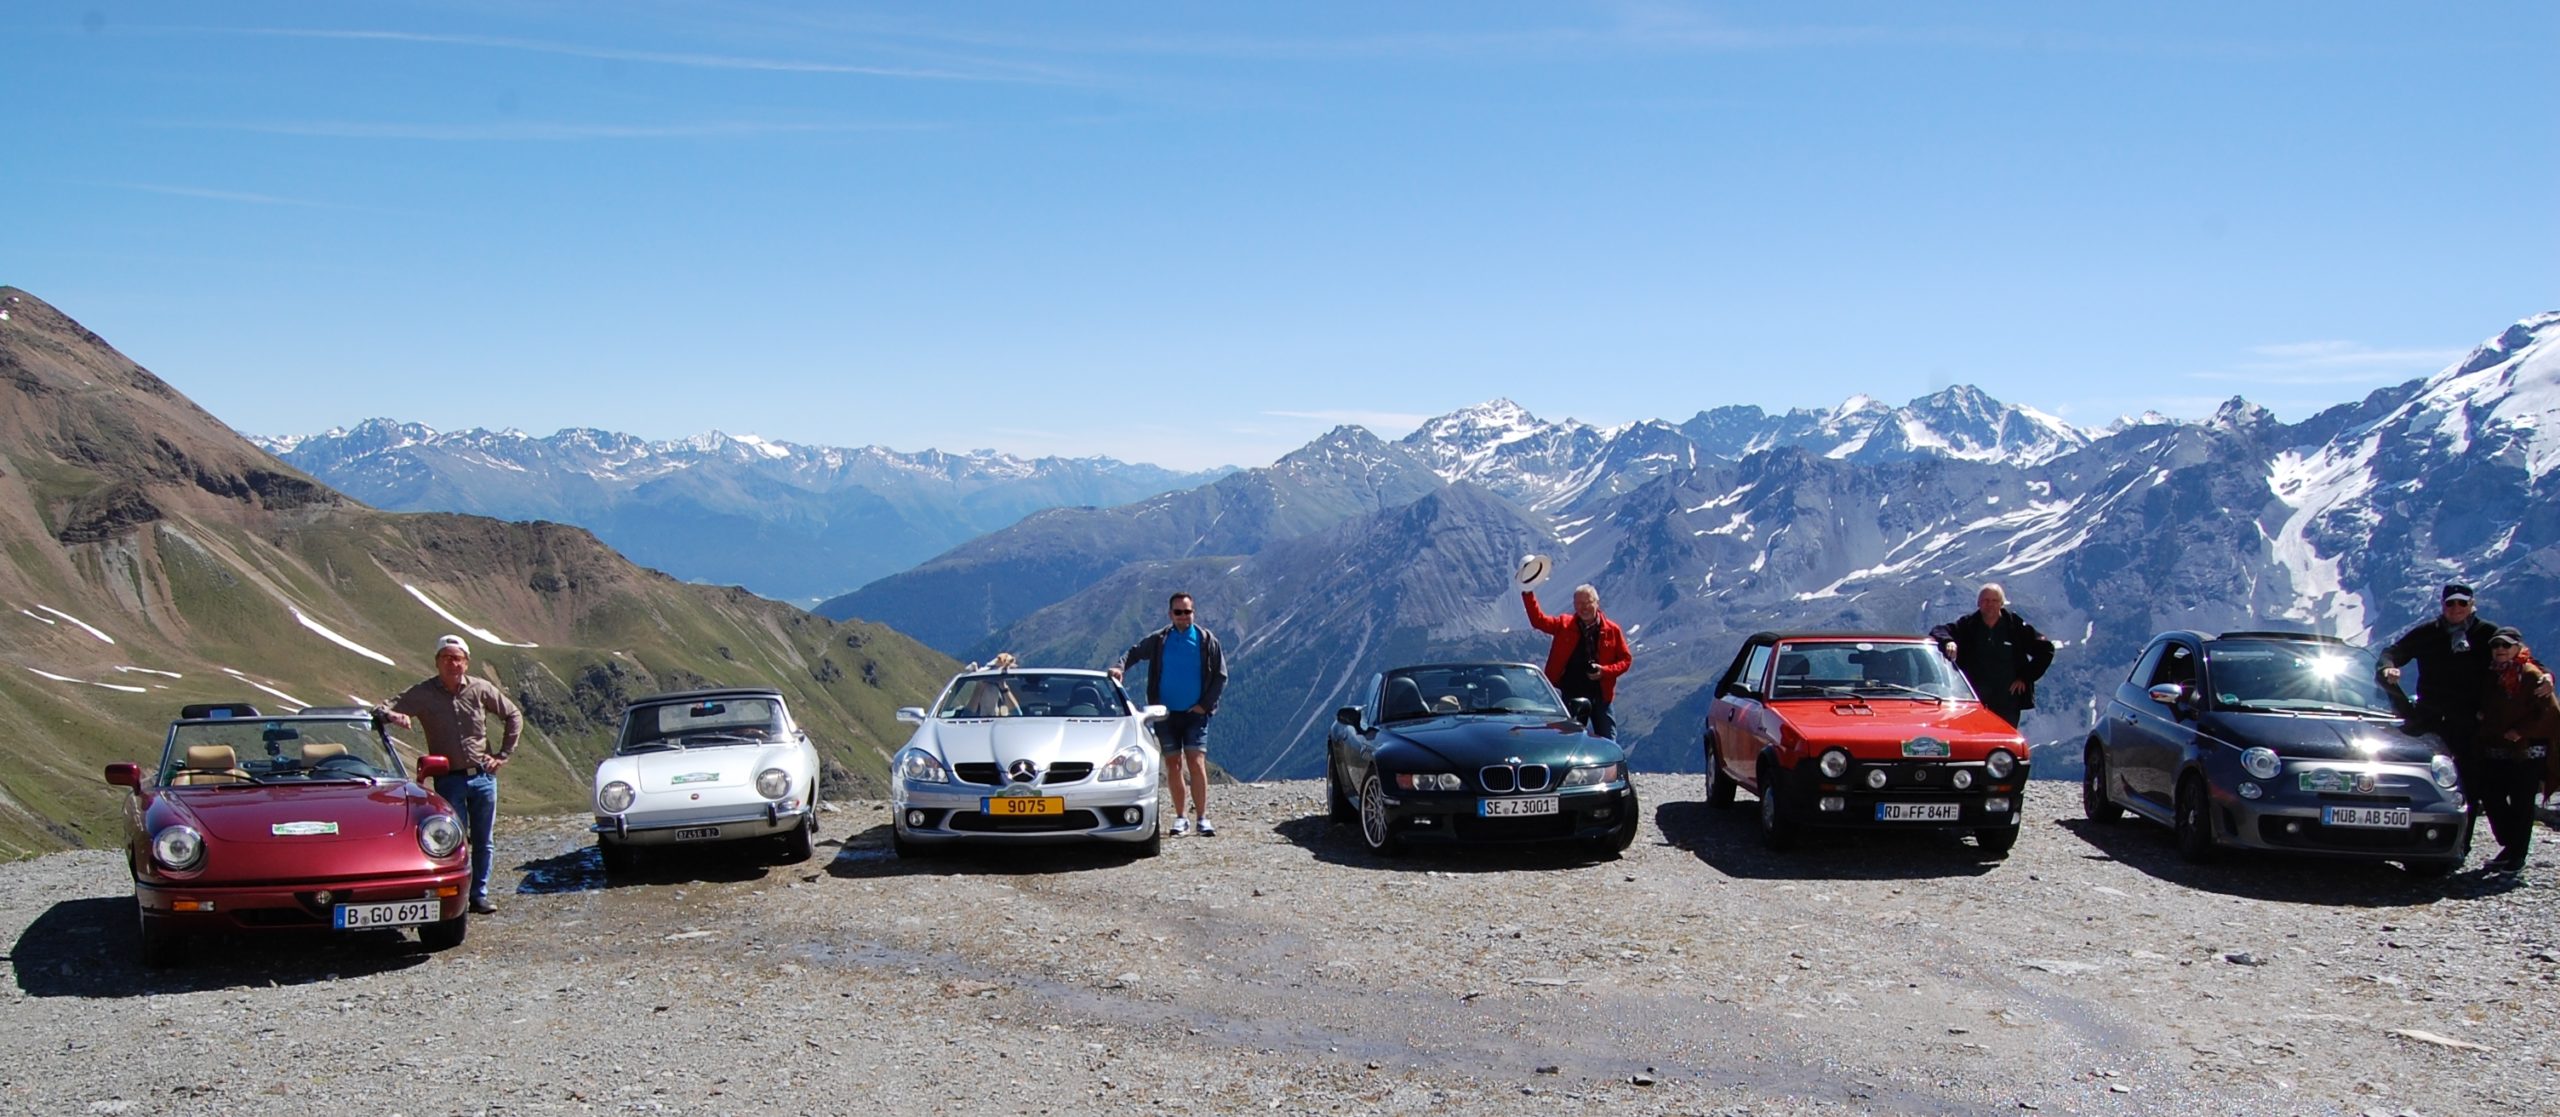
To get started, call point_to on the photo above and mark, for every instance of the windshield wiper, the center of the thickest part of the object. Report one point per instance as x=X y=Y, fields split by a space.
x=654 y=746
x=719 y=739
x=1898 y=688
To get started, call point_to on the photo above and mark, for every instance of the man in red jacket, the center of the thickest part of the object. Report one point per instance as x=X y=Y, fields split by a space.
x=1587 y=655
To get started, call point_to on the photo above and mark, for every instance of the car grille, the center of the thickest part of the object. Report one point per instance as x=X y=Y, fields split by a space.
x=976 y=823
x=2316 y=836
x=1536 y=828
x=989 y=775
x=1503 y=779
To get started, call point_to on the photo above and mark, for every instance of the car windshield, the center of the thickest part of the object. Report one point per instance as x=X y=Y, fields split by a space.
x=2294 y=676
x=275 y=750
x=1467 y=688
x=1866 y=669
x=702 y=723
x=1032 y=694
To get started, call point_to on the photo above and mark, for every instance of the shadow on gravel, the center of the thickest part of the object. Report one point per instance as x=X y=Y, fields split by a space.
x=867 y=855
x=582 y=869
x=2279 y=877
x=1341 y=845
x=87 y=948
x=1729 y=840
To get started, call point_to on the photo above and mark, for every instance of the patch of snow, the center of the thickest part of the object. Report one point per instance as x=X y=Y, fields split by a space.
x=297 y=703
x=47 y=620
x=341 y=641
x=2312 y=487
x=93 y=629
x=85 y=682
x=483 y=634
x=149 y=671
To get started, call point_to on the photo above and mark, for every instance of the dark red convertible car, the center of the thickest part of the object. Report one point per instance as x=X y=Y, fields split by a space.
x=1850 y=730
x=256 y=822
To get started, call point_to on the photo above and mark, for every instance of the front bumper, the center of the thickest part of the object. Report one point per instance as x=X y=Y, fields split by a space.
x=729 y=822
x=290 y=905
x=955 y=813
x=1459 y=817
x=1916 y=795
x=2286 y=817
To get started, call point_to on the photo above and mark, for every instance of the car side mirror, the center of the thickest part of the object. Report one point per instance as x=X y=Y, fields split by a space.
x=125 y=775
x=1348 y=715
x=432 y=766
x=1581 y=709
x=1155 y=712
x=912 y=715
x=2175 y=696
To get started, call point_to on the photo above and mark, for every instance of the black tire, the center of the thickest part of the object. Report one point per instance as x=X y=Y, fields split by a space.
x=799 y=845
x=445 y=934
x=1375 y=831
x=1339 y=810
x=619 y=859
x=1777 y=831
x=1996 y=841
x=2194 y=821
x=1155 y=842
x=162 y=945
x=1720 y=787
x=2430 y=870
x=1610 y=846
x=2093 y=787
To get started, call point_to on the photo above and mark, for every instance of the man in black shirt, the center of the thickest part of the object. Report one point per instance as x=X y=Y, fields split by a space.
x=2452 y=654
x=1999 y=652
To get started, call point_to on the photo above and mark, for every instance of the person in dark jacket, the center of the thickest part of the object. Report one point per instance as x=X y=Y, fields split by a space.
x=1186 y=672
x=2452 y=654
x=2519 y=727
x=1999 y=652
x=1588 y=653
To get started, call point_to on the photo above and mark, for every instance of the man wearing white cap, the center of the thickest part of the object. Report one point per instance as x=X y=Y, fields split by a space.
x=453 y=709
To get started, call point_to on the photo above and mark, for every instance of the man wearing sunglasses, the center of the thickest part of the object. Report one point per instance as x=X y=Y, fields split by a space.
x=2452 y=654
x=1186 y=672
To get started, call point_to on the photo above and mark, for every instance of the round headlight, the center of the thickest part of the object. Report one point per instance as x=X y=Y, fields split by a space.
x=178 y=847
x=2000 y=763
x=2261 y=762
x=773 y=783
x=440 y=835
x=2441 y=767
x=919 y=766
x=1876 y=777
x=615 y=798
x=1963 y=779
x=1835 y=764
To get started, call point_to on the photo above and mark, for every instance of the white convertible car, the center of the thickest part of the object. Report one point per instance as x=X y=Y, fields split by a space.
x=1028 y=755
x=703 y=766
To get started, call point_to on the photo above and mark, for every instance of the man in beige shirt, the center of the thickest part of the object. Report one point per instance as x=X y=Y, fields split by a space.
x=453 y=710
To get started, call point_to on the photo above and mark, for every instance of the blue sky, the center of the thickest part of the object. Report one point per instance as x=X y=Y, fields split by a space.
x=1199 y=234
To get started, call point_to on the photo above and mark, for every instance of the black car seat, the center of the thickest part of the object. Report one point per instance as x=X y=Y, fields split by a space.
x=1084 y=701
x=1404 y=700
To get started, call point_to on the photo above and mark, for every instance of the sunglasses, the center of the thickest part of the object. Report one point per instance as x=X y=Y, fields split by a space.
x=1182 y=612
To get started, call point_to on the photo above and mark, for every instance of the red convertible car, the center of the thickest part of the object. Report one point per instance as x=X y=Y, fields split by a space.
x=1848 y=730
x=256 y=822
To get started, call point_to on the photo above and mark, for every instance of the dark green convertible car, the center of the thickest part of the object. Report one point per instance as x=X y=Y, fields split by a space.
x=1475 y=752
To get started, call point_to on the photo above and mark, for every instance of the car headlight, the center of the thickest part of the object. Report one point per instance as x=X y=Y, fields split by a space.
x=2441 y=767
x=919 y=766
x=1427 y=781
x=2261 y=762
x=440 y=834
x=615 y=798
x=2000 y=763
x=1835 y=764
x=773 y=783
x=1586 y=777
x=178 y=847
x=1129 y=764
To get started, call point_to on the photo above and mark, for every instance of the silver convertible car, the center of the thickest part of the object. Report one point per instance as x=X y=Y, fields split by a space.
x=703 y=766
x=1028 y=755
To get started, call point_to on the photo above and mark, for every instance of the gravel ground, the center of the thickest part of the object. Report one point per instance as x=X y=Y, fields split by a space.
x=1279 y=968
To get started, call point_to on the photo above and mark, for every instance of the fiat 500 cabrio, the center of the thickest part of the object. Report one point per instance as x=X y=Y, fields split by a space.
x=2273 y=740
x=1846 y=730
x=1475 y=752
x=1028 y=755
x=706 y=766
x=256 y=822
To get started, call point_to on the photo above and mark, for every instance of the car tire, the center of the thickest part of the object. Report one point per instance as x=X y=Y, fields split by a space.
x=1996 y=841
x=2193 y=820
x=1720 y=787
x=1155 y=841
x=1611 y=845
x=1777 y=831
x=798 y=845
x=162 y=945
x=619 y=859
x=2093 y=787
x=1339 y=810
x=1375 y=830
x=907 y=850
x=445 y=934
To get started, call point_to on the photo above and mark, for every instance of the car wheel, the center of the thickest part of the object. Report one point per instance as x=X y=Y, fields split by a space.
x=2093 y=787
x=1996 y=841
x=1338 y=808
x=162 y=945
x=1154 y=843
x=1616 y=841
x=1720 y=787
x=1374 y=830
x=797 y=845
x=1777 y=831
x=444 y=934
x=619 y=859
x=2194 y=821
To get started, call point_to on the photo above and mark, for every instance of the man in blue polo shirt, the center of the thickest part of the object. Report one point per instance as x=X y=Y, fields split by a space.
x=1185 y=674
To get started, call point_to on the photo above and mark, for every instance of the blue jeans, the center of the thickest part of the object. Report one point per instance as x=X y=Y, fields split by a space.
x=475 y=800
x=1601 y=724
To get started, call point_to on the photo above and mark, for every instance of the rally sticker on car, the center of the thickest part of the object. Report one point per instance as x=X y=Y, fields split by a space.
x=2337 y=780
x=696 y=777
x=1925 y=746
x=302 y=829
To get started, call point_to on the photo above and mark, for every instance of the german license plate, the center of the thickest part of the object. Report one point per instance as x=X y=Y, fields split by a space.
x=698 y=833
x=1516 y=808
x=1919 y=812
x=1025 y=806
x=405 y=913
x=2375 y=818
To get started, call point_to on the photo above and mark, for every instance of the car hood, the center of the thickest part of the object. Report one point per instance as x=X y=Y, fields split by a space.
x=2315 y=737
x=699 y=769
x=1474 y=740
x=1879 y=728
x=1043 y=741
x=309 y=813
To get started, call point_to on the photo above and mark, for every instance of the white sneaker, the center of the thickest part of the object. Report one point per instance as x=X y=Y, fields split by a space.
x=1207 y=829
x=1181 y=826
